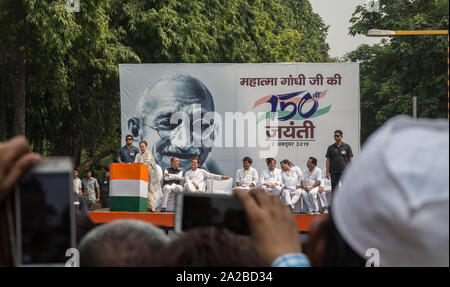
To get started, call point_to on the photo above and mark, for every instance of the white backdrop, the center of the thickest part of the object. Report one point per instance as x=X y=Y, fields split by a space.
x=247 y=88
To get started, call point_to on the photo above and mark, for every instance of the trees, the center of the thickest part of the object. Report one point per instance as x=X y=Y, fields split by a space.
x=59 y=70
x=68 y=75
x=221 y=31
x=403 y=66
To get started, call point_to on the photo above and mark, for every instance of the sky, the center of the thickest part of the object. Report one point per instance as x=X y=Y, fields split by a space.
x=336 y=14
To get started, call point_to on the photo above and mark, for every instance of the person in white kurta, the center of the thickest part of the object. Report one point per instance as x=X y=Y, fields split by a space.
x=154 y=184
x=290 y=183
x=311 y=183
x=172 y=181
x=297 y=169
x=270 y=179
x=195 y=178
x=247 y=176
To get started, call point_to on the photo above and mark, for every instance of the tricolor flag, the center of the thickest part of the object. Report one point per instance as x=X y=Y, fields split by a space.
x=128 y=187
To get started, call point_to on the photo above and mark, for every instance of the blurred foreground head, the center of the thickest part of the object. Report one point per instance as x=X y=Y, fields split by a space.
x=121 y=243
x=209 y=247
x=394 y=200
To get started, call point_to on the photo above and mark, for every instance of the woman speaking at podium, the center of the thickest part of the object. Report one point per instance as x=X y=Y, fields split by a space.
x=154 y=185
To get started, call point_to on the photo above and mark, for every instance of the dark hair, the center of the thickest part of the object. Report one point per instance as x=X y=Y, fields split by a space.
x=313 y=160
x=209 y=247
x=338 y=132
x=171 y=160
x=129 y=136
x=337 y=251
x=144 y=142
x=247 y=159
x=270 y=159
x=285 y=161
x=75 y=170
x=197 y=159
x=121 y=243
x=83 y=224
x=105 y=167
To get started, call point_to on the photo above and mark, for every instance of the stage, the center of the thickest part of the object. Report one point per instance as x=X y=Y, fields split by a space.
x=165 y=220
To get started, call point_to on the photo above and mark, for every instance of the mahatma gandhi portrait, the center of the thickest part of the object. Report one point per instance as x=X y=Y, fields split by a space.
x=172 y=94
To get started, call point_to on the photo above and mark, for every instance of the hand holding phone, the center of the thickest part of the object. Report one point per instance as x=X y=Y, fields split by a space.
x=206 y=209
x=45 y=213
x=272 y=226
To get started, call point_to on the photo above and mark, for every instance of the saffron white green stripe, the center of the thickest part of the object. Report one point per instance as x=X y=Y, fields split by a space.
x=128 y=187
x=128 y=204
x=128 y=195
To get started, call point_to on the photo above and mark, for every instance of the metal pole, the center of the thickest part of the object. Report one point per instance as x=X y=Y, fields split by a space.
x=414 y=100
x=387 y=33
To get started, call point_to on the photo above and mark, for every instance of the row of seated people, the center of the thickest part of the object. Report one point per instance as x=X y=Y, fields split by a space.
x=290 y=183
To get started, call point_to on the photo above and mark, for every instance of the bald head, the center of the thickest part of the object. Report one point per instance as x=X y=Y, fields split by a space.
x=122 y=243
x=174 y=91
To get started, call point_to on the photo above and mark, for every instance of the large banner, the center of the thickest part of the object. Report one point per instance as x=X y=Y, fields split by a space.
x=224 y=112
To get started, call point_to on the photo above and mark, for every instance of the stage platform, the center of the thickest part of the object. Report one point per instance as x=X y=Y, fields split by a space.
x=166 y=219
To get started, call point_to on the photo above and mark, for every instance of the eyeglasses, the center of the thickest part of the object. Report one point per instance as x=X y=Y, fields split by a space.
x=129 y=139
x=166 y=129
x=337 y=136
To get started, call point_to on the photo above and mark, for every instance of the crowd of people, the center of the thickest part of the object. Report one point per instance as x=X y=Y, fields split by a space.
x=388 y=204
x=287 y=182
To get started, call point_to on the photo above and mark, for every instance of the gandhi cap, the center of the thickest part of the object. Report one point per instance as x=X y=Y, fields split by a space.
x=395 y=194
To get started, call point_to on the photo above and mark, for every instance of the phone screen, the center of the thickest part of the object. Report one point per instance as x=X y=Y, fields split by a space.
x=45 y=214
x=213 y=210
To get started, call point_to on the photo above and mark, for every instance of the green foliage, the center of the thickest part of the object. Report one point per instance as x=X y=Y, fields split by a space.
x=71 y=59
x=403 y=66
x=221 y=31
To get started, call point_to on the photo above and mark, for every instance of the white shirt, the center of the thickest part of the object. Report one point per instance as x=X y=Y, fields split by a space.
x=159 y=172
x=298 y=170
x=247 y=177
x=310 y=177
x=173 y=176
x=270 y=177
x=290 y=178
x=198 y=177
x=76 y=185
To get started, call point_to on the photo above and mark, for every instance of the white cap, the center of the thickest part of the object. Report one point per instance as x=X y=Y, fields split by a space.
x=395 y=194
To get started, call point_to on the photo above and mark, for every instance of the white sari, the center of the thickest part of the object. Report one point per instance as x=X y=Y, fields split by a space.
x=154 y=185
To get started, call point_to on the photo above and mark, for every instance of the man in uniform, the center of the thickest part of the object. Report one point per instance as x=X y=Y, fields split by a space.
x=76 y=181
x=91 y=190
x=104 y=187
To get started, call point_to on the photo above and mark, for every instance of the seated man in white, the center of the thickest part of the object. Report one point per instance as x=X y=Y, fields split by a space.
x=296 y=168
x=270 y=179
x=195 y=178
x=311 y=184
x=172 y=181
x=290 y=184
x=247 y=176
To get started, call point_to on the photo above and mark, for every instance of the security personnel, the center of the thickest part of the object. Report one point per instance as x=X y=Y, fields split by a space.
x=339 y=155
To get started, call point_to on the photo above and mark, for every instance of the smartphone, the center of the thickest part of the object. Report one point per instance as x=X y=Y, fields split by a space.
x=45 y=219
x=209 y=209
